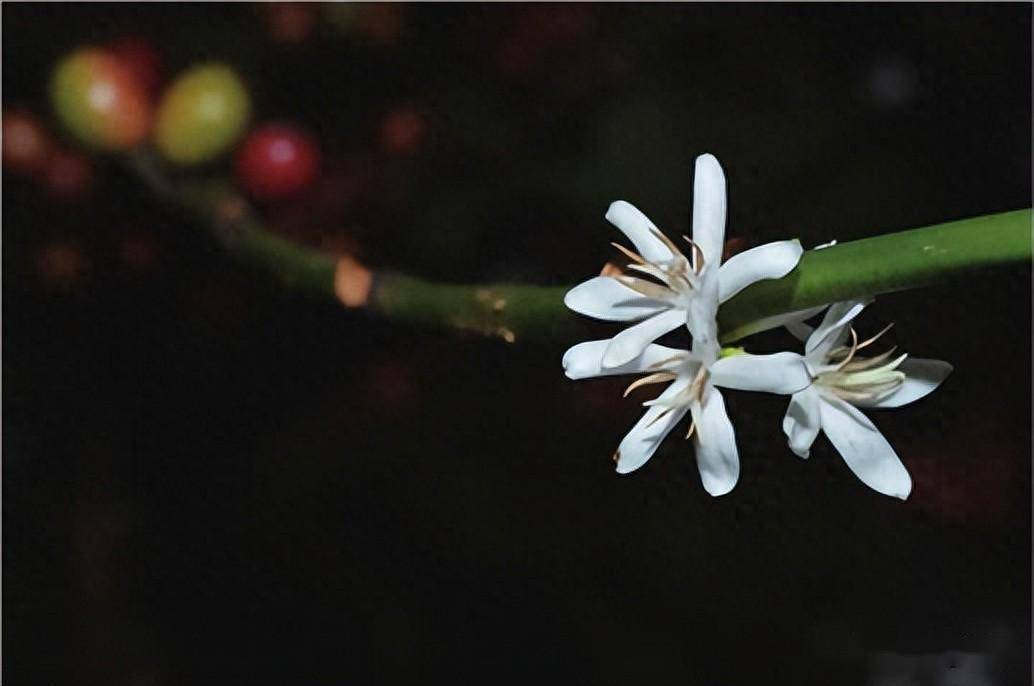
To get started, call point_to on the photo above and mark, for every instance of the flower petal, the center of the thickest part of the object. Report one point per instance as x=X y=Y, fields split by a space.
x=628 y=344
x=709 y=208
x=715 y=444
x=791 y=320
x=604 y=297
x=641 y=442
x=864 y=448
x=835 y=325
x=638 y=228
x=584 y=361
x=802 y=421
x=795 y=322
x=921 y=378
x=782 y=373
x=769 y=261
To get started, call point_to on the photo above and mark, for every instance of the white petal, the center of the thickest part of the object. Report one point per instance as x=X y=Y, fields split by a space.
x=709 y=208
x=802 y=421
x=795 y=322
x=769 y=261
x=641 y=442
x=921 y=378
x=604 y=297
x=584 y=361
x=637 y=227
x=864 y=448
x=791 y=320
x=782 y=373
x=715 y=443
x=628 y=344
x=835 y=326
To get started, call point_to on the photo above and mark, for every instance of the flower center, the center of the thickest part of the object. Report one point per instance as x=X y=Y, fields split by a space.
x=861 y=379
x=679 y=277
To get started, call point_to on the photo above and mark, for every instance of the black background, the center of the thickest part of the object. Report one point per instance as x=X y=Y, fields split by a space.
x=208 y=479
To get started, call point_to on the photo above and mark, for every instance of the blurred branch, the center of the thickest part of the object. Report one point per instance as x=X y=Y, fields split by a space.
x=871 y=266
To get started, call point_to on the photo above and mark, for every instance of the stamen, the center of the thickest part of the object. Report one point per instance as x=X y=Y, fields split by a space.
x=851 y=352
x=853 y=397
x=667 y=241
x=650 y=269
x=698 y=255
x=655 y=419
x=860 y=364
x=692 y=428
x=696 y=388
x=684 y=277
x=629 y=254
x=659 y=377
x=643 y=287
x=876 y=337
x=677 y=357
x=895 y=363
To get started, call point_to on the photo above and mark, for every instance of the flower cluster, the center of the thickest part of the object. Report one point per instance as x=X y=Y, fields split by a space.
x=663 y=289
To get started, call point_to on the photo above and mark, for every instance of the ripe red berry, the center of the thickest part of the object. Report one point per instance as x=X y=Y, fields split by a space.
x=62 y=265
x=276 y=161
x=288 y=23
x=26 y=145
x=68 y=175
x=403 y=130
x=140 y=57
x=99 y=101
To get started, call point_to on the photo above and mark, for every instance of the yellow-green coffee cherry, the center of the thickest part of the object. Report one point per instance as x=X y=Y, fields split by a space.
x=202 y=114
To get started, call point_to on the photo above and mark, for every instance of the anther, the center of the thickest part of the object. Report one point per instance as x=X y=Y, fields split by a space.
x=872 y=340
x=659 y=377
x=629 y=254
x=851 y=352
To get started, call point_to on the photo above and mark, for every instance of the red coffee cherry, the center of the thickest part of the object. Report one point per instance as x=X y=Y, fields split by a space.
x=276 y=161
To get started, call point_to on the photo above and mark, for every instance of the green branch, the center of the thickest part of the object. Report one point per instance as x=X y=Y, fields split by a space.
x=872 y=266
x=883 y=264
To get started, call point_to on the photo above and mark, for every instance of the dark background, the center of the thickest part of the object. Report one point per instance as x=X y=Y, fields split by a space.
x=208 y=479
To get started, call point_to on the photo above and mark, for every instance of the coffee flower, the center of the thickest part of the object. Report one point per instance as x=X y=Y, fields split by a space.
x=843 y=381
x=692 y=389
x=678 y=290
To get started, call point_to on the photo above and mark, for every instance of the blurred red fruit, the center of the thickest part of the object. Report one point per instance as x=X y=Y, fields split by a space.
x=68 y=175
x=138 y=251
x=540 y=35
x=403 y=130
x=25 y=144
x=142 y=59
x=381 y=23
x=289 y=23
x=99 y=100
x=62 y=264
x=276 y=161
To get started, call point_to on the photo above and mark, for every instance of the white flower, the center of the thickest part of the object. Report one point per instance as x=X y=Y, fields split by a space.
x=687 y=291
x=843 y=382
x=693 y=380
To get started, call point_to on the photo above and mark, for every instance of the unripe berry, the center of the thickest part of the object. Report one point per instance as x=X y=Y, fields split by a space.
x=202 y=114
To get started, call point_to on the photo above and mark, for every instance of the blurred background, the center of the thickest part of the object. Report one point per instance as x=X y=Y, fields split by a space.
x=207 y=478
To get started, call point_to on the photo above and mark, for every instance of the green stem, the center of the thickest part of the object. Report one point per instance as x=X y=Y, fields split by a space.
x=872 y=266
x=883 y=264
x=507 y=311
